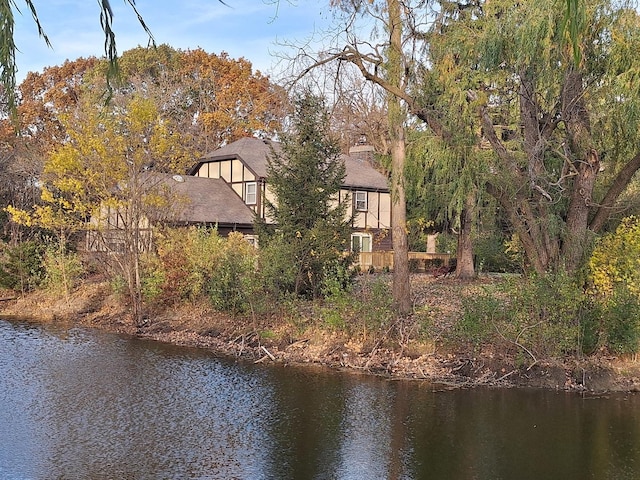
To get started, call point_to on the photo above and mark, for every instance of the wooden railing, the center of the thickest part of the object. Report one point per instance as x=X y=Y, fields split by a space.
x=382 y=260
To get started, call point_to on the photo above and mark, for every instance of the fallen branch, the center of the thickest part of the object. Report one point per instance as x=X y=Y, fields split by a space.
x=297 y=344
x=506 y=375
x=273 y=359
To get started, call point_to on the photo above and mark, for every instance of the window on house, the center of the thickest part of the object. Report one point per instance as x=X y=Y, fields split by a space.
x=251 y=193
x=360 y=242
x=360 y=200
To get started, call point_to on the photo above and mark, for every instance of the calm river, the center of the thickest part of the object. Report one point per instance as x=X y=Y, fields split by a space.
x=85 y=405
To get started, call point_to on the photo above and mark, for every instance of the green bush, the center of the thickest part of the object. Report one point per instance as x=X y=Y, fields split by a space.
x=186 y=260
x=614 y=276
x=196 y=262
x=541 y=314
x=277 y=269
x=491 y=256
x=62 y=270
x=480 y=314
x=232 y=285
x=591 y=329
x=21 y=266
x=621 y=322
x=365 y=311
x=153 y=279
x=615 y=261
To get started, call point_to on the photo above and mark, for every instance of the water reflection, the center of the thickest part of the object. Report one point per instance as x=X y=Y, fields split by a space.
x=80 y=405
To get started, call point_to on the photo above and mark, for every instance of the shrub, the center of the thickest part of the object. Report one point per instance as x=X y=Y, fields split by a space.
x=541 y=314
x=186 y=260
x=62 y=270
x=153 y=278
x=621 y=325
x=367 y=311
x=277 y=268
x=196 y=262
x=614 y=274
x=231 y=286
x=21 y=266
x=491 y=256
x=615 y=261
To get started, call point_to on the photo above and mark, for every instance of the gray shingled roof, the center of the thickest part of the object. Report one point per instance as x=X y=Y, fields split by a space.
x=206 y=200
x=361 y=174
x=254 y=152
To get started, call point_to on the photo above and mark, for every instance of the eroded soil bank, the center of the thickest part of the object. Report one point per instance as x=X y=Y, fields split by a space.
x=270 y=340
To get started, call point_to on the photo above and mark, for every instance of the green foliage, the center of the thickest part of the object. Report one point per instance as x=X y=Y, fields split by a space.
x=366 y=311
x=118 y=285
x=541 y=315
x=614 y=274
x=615 y=261
x=153 y=278
x=21 y=266
x=62 y=270
x=195 y=263
x=309 y=232
x=338 y=278
x=491 y=256
x=186 y=260
x=479 y=317
x=620 y=322
x=496 y=72
x=232 y=286
x=277 y=267
x=447 y=243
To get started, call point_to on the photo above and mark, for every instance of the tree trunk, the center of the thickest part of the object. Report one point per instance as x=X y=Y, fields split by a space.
x=397 y=118
x=578 y=213
x=586 y=163
x=620 y=183
x=465 y=269
x=401 y=284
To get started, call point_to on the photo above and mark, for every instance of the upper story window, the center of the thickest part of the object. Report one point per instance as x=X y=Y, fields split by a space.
x=360 y=201
x=251 y=193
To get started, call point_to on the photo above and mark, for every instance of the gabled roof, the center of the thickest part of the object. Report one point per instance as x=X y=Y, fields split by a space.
x=206 y=200
x=255 y=151
x=252 y=151
x=361 y=174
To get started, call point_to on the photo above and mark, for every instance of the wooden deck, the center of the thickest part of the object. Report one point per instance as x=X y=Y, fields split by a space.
x=382 y=260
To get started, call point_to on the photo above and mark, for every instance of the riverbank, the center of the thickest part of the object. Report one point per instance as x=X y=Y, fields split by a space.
x=406 y=356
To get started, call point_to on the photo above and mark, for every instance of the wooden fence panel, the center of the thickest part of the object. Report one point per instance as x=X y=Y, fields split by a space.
x=384 y=259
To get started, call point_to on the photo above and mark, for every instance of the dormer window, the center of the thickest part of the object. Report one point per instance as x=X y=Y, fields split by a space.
x=360 y=201
x=251 y=193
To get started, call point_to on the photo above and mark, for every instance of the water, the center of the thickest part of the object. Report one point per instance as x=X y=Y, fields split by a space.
x=85 y=405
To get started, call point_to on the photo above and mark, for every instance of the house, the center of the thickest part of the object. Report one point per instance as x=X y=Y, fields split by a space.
x=242 y=165
x=207 y=201
x=188 y=200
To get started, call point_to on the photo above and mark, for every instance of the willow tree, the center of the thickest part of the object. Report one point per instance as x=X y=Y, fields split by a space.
x=392 y=57
x=8 y=47
x=563 y=129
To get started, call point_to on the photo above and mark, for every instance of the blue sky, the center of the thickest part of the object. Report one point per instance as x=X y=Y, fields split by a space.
x=244 y=28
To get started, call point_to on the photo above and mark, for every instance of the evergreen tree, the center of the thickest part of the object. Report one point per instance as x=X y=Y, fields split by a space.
x=308 y=229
